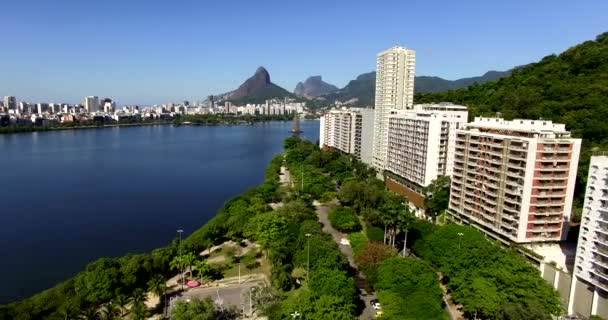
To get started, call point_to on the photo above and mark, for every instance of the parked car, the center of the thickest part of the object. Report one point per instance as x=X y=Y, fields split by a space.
x=344 y=242
x=376 y=304
x=379 y=314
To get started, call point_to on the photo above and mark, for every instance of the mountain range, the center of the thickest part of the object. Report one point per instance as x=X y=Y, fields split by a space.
x=314 y=87
x=360 y=91
x=256 y=89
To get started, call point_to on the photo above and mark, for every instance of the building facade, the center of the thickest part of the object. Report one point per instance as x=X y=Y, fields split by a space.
x=591 y=264
x=348 y=130
x=395 y=69
x=10 y=103
x=91 y=104
x=514 y=180
x=421 y=141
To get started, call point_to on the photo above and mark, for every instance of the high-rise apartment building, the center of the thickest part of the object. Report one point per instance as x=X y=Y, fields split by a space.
x=348 y=130
x=514 y=180
x=591 y=265
x=395 y=70
x=421 y=141
x=91 y=104
x=10 y=103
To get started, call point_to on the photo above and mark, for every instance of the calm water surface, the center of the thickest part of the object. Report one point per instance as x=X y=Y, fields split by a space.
x=70 y=197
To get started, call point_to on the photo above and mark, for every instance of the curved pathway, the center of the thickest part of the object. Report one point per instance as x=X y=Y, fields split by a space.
x=366 y=293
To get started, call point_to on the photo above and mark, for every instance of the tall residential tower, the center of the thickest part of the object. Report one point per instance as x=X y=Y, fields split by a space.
x=348 y=130
x=514 y=180
x=590 y=281
x=395 y=69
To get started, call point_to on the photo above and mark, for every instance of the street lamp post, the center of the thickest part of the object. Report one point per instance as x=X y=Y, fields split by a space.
x=181 y=269
x=460 y=234
x=307 y=255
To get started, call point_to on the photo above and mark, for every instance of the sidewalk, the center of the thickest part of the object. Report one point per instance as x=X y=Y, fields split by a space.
x=360 y=281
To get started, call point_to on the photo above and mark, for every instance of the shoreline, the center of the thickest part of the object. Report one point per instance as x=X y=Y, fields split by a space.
x=26 y=129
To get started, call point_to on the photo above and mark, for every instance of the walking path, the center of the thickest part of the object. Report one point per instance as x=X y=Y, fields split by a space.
x=366 y=292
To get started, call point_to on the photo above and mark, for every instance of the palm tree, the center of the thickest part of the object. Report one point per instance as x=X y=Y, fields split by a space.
x=138 y=296
x=89 y=314
x=110 y=311
x=121 y=301
x=138 y=307
x=404 y=218
x=157 y=285
x=390 y=211
x=203 y=269
x=178 y=263
x=189 y=260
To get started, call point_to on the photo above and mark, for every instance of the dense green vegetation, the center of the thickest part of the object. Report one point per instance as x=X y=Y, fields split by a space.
x=345 y=220
x=490 y=281
x=409 y=289
x=228 y=118
x=200 y=309
x=570 y=88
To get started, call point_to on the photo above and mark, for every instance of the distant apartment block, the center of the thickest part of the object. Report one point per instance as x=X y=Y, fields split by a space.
x=421 y=141
x=91 y=103
x=10 y=103
x=350 y=131
x=591 y=266
x=514 y=180
x=395 y=70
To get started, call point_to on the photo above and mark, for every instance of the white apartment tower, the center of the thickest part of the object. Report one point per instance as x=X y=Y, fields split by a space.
x=10 y=103
x=395 y=70
x=421 y=141
x=514 y=180
x=591 y=265
x=91 y=103
x=348 y=130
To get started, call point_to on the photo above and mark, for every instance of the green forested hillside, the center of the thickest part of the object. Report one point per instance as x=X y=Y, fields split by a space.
x=570 y=88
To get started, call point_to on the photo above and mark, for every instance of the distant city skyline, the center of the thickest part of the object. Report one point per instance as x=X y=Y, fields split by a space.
x=145 y=53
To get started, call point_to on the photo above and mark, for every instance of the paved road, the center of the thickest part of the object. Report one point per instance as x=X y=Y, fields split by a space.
x=366 y=292
x=226 y=296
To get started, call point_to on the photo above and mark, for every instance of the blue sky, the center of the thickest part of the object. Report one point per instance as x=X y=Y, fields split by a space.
x=151 y=51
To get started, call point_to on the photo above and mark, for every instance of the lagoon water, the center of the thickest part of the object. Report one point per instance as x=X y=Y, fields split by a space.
x=70 y=197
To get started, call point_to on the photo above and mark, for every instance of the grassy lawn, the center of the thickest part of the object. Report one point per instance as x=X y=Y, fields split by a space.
x=251 y=262
x=233 y=271
x=357 y=241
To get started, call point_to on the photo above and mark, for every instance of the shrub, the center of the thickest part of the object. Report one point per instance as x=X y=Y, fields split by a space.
x=375 y=234
x=357 y=241
x=345 y=220
x=371 y=256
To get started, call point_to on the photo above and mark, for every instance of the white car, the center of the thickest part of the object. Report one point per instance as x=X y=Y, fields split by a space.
x=375 y=304
x=344 y=242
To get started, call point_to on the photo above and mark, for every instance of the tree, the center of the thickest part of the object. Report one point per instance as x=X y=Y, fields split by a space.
x=370 y=258
x=121 y=301
x=139 y=310
x=344 y=219
x=157 y=285
x=203 y=269
x=189 y=260
x=437 y=195
x=403 y=221
x=267 y=228
x=110 y=311
x=409 y=289
x=195 y=309
x=389 y=213
x=325 y=282
x=89 y=313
